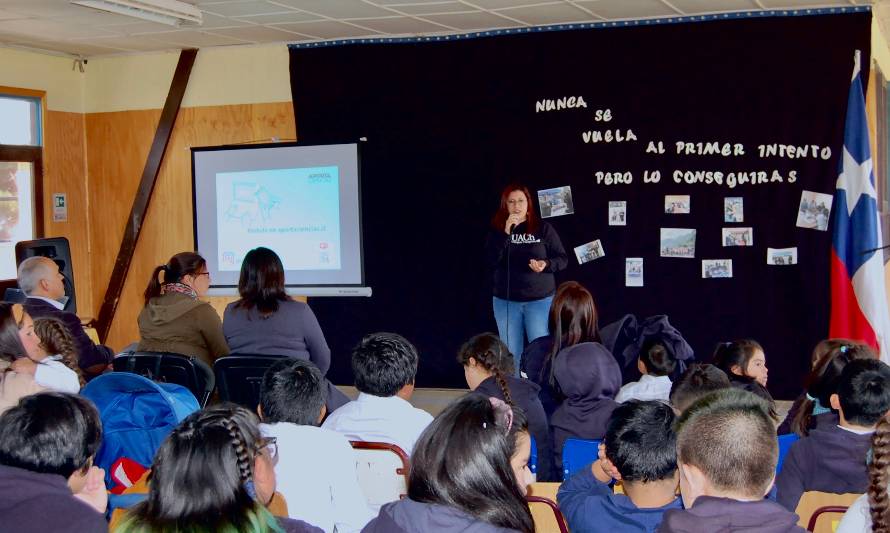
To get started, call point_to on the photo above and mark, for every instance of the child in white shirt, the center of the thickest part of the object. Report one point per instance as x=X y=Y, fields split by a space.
x=656 y=363
x=51 y=355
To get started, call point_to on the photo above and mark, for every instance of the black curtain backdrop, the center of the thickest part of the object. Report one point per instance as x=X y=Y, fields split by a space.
x=448 y=124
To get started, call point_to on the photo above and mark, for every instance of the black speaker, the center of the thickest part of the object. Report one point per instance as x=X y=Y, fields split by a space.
x=57 y=249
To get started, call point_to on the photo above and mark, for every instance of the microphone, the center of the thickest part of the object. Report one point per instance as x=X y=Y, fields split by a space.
x=512 y=227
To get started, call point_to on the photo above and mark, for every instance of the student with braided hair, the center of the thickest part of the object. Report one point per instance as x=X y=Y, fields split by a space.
x=488 y=369
x=213 y=473
x=51 y=354
x=871 y=512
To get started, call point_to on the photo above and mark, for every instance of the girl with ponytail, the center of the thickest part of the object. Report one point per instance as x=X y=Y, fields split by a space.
x=488 y=369
x=174 y=319
x=830 y=357
x=213 y=473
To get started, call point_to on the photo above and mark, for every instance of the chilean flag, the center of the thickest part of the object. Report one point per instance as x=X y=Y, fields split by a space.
x=858 y=298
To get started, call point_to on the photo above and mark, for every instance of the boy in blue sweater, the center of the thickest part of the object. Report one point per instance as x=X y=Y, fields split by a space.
x=639 y=449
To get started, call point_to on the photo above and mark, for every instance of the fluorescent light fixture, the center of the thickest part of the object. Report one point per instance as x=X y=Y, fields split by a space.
x=170 y=12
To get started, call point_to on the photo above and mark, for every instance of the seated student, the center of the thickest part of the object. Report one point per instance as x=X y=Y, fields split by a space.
x=40 y=279
x=316 y=467
x=13 y=384
x=656 y=363
x=699 y=380
x=51 y=355
x=589 y=378
x=727 y=453
x=469 y=473
x=174 y=318
x=48 y=483
x=214 y=472
x=488 y=368
x=744 y=362
x=640 y=449
x=832 y=458
x=572 y=320
x=830 y=358
x=384 y=366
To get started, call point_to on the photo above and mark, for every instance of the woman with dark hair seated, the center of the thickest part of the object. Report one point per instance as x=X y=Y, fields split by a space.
x=469 y=472
x=266 y=321
x=213 y=473
x=174 y=319
x=48 y=483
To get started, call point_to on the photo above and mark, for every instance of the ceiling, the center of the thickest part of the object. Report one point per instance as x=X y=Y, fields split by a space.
x=57 y=26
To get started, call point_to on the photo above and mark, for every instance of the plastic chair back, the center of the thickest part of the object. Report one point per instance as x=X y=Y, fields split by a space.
x=546 y=514
x=813 y=500
x=785 y=442
x=533 y=458
x=382 y=470
x=240 y=377
x=166 y=367
x=578 y=453
x=826 y=525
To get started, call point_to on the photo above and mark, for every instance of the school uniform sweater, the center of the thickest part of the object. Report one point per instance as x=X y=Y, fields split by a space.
x=712 y=515
x=830 y=459
x=590 y=506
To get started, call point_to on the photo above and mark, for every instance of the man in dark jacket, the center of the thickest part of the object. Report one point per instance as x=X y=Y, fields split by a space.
x=727 y=453
x=47 y=481
x=832 y=458
x=39 y=278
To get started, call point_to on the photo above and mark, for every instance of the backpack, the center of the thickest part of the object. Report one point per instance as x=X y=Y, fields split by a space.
x=137 y=415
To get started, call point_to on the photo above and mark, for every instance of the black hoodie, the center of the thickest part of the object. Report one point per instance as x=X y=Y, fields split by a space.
x=409 y=516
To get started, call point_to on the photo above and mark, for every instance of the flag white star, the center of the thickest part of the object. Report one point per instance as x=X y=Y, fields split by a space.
x=855 y=179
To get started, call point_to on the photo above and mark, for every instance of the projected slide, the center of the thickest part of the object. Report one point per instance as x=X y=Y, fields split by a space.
x=294 y=211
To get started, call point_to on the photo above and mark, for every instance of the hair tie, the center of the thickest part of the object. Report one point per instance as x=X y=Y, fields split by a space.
x=844 y=348
x=502 y=411
x=810 y=398
x=250 y=488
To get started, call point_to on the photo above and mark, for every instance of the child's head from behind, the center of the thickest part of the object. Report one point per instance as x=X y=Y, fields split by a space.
x=698 y=380
x=641 y=443
x=464 y=459
x=726 y=447
x=863 y=393
x=293 y=391
x=483 y=356
x=744 y=358
x=656 y=359
x=830 y=358
x=384 y=364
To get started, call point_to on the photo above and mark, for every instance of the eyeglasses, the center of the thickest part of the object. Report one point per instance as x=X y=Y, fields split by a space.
x=203 y=274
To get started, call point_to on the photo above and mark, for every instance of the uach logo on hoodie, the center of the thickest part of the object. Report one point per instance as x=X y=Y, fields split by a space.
x=524 y=238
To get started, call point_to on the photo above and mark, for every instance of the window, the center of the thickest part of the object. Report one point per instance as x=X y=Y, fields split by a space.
x=21 y=167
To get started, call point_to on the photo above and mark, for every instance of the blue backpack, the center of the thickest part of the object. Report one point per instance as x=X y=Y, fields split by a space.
x=137 y=415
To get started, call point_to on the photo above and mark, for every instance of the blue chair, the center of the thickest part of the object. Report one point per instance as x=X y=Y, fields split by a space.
x=533 y=458
x=578 y=453
x=785 y=442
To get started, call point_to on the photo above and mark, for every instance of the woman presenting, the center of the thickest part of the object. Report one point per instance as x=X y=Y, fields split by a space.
x=524 y=252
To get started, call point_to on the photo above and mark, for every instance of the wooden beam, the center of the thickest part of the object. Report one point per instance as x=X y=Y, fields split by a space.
x=143 y=193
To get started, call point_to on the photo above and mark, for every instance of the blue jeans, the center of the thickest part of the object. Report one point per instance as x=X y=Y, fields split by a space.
x=518 y=320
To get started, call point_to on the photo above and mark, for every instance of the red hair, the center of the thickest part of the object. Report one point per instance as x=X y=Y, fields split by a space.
x=500 y=218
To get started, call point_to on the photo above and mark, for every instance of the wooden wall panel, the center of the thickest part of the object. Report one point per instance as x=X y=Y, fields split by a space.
x=117 y=146
x=64 y=171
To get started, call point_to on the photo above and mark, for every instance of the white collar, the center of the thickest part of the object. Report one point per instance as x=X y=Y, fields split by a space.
x=58 y=305
x=857 y=431
x=370 y=398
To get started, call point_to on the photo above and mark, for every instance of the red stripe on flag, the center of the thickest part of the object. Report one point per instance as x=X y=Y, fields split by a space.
x=847 y=320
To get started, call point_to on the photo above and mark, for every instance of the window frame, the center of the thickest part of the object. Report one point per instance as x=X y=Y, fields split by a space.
x=30 y=154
